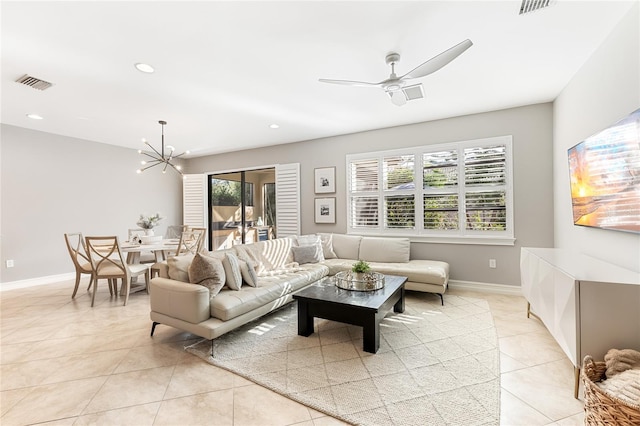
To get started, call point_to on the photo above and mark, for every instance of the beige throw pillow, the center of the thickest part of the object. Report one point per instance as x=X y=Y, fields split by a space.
x=179 y=267
x=208 y=272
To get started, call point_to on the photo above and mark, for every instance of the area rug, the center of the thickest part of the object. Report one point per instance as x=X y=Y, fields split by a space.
x=436 y=364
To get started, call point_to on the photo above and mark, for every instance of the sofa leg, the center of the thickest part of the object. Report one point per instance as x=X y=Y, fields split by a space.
x=211 y=348
x=441 y=299
x=153 y=327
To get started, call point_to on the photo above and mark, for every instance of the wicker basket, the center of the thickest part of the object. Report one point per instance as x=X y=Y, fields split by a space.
x=600 y=408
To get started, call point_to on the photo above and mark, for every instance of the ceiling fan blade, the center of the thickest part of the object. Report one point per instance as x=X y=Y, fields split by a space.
x=397 y=97
x=350 y=83
x=439 y=61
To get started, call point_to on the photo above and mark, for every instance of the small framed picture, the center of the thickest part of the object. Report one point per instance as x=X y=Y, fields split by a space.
x=325 y=180
x=325 y=210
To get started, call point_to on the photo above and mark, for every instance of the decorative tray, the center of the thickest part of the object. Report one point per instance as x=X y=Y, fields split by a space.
x=359 y=281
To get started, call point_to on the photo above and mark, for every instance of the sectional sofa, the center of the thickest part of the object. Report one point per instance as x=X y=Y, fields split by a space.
x=252 y=280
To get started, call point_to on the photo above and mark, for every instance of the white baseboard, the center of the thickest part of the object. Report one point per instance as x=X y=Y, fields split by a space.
x=51 y=279
x=510 y=290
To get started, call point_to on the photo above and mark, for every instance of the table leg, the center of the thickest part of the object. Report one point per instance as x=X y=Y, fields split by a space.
x=399 y=306
x=371 y=334
x=305 y=321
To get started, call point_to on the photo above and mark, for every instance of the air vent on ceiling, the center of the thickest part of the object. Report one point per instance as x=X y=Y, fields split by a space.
x=413 y=92
x=36 y=83
x=532 y=5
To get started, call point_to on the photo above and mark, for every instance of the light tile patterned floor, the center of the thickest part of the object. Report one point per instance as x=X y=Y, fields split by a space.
x=66 y=363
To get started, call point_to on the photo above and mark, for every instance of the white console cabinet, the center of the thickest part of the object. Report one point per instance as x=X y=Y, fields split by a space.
x=589 y=306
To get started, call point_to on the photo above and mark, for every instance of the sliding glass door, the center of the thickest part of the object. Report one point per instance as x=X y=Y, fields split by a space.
x=241 y=207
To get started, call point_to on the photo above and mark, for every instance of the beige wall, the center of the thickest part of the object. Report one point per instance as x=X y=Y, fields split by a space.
x=53 y=184
x=531 y=127
x=604 y=90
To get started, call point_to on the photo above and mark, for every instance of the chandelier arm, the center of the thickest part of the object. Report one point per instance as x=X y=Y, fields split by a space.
x=175 y=168
x=179 y=155
x=150 y=166
x=154 y=150
x=150 y=154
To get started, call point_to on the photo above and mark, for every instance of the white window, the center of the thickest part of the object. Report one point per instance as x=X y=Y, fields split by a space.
x=456 y=192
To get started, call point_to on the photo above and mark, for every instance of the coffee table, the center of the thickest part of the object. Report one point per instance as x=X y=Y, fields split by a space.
x=323 y=299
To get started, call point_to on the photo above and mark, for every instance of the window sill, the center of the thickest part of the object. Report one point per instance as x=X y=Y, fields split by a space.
x=467 y=240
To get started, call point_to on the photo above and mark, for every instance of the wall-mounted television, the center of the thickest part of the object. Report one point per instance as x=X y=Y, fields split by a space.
x=605 y=177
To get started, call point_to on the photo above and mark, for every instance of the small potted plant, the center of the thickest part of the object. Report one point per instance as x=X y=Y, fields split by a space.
x=360 y=269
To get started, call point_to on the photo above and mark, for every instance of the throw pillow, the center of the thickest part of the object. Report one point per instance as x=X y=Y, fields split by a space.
x=307 y=254
x=308 y=240
x=231 y=267
x=251 y=253
x=179 y=267
x=248 y=272
x=208 y=272
x=327 y=246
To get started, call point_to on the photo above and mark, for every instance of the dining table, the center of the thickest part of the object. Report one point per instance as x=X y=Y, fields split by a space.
x=158 y=248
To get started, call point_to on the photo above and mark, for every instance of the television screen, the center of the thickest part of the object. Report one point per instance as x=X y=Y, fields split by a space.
x=605 y=177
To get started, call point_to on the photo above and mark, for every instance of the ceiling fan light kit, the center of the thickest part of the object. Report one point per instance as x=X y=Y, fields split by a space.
x=159 y=157
x=396 y=86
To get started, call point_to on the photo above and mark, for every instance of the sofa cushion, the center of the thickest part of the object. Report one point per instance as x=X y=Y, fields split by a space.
x=337 y=265
x=308 y=254
x=346 y=246
x=390 y=250
x=419 y=271
x=179 y=267
x=231 y=266
x=327 y=246
x=207 y=271
x=268 y=256
x=230 y=304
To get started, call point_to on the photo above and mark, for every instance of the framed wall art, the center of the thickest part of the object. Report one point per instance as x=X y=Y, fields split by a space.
x=325 y=210
x=325 y=180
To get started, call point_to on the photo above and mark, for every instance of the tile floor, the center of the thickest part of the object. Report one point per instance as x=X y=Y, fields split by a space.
x=65 y=363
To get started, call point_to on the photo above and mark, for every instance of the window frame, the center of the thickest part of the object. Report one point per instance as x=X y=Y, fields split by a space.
x=418 y=233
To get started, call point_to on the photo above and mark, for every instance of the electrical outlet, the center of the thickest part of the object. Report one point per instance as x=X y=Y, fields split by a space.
x=9 y=263
x=492 y=263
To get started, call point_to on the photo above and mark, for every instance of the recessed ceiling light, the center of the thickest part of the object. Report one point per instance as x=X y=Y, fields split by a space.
x=35 y=116
x=144 y=68
x=274 y=126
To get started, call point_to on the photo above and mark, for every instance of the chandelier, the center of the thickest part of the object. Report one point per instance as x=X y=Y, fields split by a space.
x=159 y=157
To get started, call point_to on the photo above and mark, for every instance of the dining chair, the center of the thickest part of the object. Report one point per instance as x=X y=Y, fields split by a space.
x=79 y=256
x=175 y=231
x=191 y=242
x=109 y=263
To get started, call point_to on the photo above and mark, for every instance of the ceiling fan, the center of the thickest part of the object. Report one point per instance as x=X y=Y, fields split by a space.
x=396 y=87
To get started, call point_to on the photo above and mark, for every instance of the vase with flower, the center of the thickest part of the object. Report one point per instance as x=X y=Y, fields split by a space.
x=148 y=223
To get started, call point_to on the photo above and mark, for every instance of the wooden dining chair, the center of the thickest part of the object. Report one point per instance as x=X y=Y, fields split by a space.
x=175 y=231
x=109 y=263
x=79 y=256
x=191 y=242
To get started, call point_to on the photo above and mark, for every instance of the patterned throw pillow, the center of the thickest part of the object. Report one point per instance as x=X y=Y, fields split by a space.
x=231 y=266
x=208 y=272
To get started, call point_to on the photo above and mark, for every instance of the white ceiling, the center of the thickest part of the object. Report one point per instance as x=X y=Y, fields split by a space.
x=225 y=71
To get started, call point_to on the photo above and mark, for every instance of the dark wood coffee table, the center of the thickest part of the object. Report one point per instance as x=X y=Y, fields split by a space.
x=323 y=299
